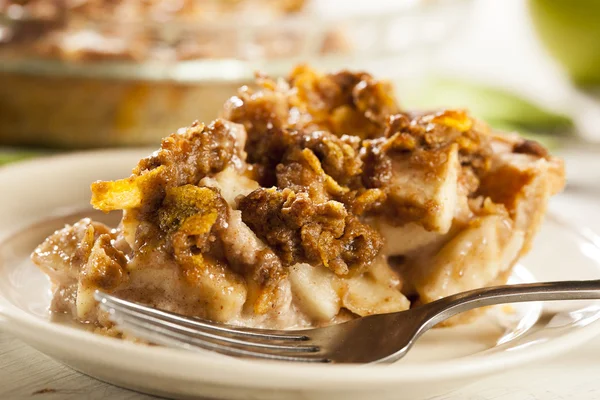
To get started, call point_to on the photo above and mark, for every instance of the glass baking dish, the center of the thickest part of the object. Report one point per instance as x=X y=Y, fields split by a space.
x=113 y=78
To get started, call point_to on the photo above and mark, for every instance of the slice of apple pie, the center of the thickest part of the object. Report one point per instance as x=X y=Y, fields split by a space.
x=312 y=200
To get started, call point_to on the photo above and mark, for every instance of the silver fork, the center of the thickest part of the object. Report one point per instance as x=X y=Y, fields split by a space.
x=380 y=338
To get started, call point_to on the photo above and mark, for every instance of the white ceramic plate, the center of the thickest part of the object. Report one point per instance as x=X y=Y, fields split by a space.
x=36 y=196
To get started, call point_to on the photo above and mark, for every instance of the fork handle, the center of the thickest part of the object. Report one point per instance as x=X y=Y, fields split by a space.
x=447 y=307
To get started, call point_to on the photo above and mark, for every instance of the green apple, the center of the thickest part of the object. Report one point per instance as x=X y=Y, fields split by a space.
x=570 y=29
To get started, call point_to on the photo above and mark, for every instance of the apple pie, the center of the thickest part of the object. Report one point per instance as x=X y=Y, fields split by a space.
x=311 y=200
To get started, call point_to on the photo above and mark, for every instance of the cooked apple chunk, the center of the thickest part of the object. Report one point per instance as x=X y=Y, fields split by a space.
x=316 y=291
x=474 y=258
x=426 y=182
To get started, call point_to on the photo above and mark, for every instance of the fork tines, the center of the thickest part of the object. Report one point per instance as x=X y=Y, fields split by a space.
x=174 y=330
